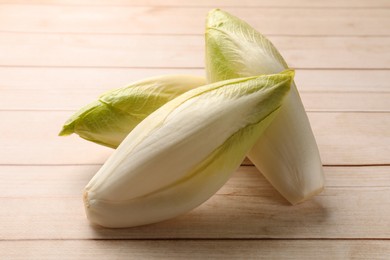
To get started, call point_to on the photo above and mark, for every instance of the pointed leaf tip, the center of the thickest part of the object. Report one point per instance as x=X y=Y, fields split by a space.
x=215 y=18
x=66 y=130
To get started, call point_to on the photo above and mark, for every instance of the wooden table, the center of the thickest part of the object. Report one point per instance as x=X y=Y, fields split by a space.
x=56 y=56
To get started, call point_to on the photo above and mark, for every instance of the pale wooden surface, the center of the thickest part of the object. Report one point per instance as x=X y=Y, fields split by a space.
x=55 y=56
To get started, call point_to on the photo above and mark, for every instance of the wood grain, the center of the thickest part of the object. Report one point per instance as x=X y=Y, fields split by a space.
x=181 y=20
x=68 y=100
x=68 y=181
x=321 y=90
x=246 y=208
x=343 y=139
x=169 y=51
x=192 y=249
x=214 y=3
x=102 y=79
x=57 y=55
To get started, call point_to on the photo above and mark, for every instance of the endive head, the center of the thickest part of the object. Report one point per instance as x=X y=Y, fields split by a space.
x=287 y=153
x=234 y=49
x=182 y=153
x=109 y=119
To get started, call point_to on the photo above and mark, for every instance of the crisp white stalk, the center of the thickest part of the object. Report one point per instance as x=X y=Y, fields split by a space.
x=286 y=153
x=110 y=119
x=183 y=152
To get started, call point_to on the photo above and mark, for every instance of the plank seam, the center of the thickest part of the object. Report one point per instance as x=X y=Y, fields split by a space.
x=202 y=6
x=100 y=164
x=307 y=110
x=195 y=34
x=196 y=239
x=178 y=68
x=181 y=68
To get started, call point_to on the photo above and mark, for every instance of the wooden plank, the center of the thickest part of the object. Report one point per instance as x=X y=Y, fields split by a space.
x=67 y=88
x=41 y=207
x=347 y=101
x=247 y=207
x=148 y=51
x=192 y=249
x=73 y=100
x=30 y=137
x=214 y=3
x=181 y=20
x=72 y=88
x=98 y=80
x=68 y=181
x=340 y=135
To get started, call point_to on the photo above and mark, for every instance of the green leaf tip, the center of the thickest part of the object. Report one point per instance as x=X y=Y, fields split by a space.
x=70 y=124
x=66 y=130
x=235 y=49
x=110 y=118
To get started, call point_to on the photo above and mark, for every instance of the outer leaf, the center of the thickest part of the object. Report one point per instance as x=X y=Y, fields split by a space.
x=184 y=152
x=108 y=120
x=287 y=153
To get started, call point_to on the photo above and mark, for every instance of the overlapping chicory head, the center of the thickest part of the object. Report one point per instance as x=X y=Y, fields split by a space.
x=234 y=49
x=182 y=153
x=110 y=119
x=287 y=152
